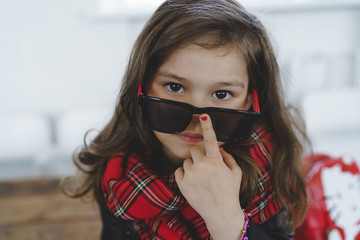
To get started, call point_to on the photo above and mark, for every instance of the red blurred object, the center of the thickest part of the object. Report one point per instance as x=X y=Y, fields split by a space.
x=318 y=222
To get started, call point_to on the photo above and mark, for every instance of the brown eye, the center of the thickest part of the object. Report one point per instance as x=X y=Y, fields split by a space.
x=175 y=87
x=222 y=95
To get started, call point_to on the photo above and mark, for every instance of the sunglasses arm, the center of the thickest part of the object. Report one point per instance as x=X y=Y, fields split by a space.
x=139 y=90
x=255 y=101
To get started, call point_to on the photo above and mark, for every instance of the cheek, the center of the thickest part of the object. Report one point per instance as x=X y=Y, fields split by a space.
x=246 y=102
x=241 y=103
x=161 y=136
x=173 y=145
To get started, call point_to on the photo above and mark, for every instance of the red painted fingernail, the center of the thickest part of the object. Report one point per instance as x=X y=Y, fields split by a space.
x=204 y=118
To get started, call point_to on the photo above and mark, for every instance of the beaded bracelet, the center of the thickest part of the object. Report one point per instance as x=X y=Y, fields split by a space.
x=246 y=225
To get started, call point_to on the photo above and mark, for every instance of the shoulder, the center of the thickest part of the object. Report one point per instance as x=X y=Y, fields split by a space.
x=261 y=135
x=261 y=146
x=120 y=164
x=116 y=164
x=264 y=205
x=117 y=169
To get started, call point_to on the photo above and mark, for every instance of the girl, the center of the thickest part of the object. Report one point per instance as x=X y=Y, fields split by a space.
x=201 y=145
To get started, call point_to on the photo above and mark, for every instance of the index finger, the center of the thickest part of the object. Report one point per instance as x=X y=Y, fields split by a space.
x=209 y=136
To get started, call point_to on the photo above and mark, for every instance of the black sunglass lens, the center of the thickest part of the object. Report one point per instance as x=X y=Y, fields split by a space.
x=230 y=126
x=166 y=117
x=171 y=117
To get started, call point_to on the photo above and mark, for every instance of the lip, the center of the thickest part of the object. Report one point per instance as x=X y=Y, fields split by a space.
x=191 y=137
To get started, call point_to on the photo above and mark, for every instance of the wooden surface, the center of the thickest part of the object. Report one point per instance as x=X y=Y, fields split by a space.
x=37 y=210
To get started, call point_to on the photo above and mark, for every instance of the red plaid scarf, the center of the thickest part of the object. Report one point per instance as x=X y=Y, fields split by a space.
x=154 y=202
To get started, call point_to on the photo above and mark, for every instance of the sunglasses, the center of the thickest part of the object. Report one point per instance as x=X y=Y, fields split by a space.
x=174 y=117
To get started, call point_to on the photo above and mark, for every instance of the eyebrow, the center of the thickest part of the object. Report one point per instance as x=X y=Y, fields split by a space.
x=230 y=83
x=171 y=75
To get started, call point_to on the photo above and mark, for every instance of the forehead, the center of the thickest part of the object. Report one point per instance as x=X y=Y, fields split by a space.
x=200 y=64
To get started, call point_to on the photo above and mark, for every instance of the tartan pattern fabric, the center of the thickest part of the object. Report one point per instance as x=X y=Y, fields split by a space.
x=134 y=192
x=264 y=205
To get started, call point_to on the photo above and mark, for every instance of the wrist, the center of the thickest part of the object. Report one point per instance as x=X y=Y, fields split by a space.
x=246 y=225
x=227 y=226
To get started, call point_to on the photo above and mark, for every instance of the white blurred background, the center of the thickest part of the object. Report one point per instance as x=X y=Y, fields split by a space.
x=62 y=61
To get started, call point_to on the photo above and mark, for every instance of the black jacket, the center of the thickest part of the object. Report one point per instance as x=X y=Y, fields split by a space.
x=119 y=229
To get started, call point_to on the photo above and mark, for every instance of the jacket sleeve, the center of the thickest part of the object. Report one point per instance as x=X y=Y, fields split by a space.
x=268 y=230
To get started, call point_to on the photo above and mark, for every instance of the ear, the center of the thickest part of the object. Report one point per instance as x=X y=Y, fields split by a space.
x=248 y=101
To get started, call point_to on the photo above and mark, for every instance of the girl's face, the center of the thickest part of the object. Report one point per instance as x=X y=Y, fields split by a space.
x=204 y=78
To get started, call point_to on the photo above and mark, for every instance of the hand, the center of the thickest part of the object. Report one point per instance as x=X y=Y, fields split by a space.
x=210 y=181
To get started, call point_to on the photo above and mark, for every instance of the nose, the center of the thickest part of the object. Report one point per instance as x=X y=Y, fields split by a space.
x=194 y=124
x=199 y=101
x=196 y=117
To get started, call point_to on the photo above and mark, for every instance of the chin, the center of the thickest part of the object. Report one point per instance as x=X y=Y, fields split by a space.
x=183 y=156
x=180 y=154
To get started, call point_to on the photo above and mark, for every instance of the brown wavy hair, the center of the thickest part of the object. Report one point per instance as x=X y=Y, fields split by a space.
x=225 y=23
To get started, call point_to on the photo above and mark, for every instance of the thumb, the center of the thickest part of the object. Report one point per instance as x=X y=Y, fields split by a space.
x=179 y=175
